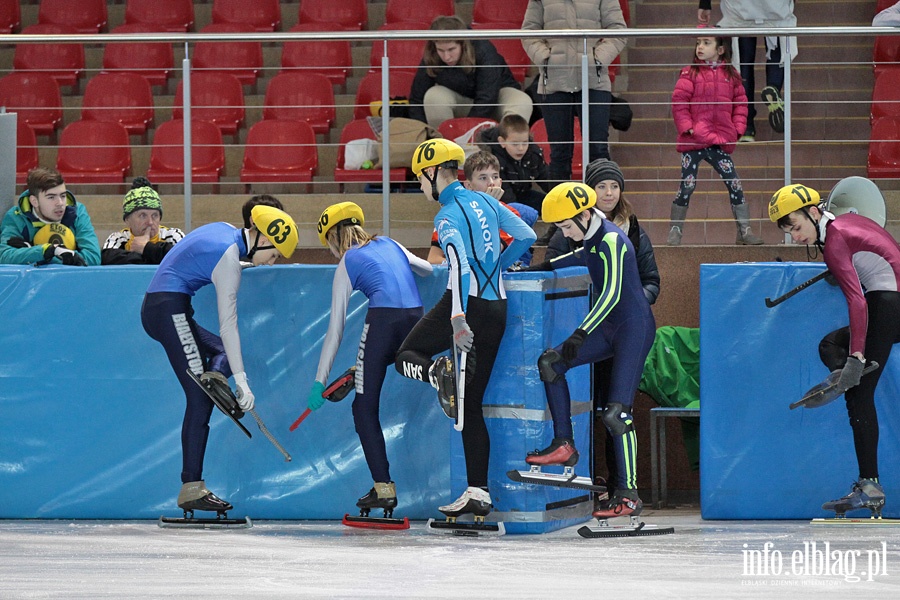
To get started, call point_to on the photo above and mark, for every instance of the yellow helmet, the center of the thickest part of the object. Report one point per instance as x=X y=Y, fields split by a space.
x=791 y=198
x=437 y=152
x=55 y=233
x=567 y=200
x=277 y=226
x=342 y=213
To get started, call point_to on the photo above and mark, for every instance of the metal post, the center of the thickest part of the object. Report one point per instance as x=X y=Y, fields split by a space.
x=385 y=144
x=8 y=135
x=786 y=57
x=585 y=112
x=186 y=104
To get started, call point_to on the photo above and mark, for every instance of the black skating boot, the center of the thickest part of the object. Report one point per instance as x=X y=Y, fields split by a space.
x=443 y=377
x=382 y=495
x=474 y=500
x=865 y=493
x=194 y=496
x=561 y=451
x=217 y=384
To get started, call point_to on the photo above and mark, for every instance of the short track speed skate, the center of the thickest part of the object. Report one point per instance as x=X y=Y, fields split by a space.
x=474 y=501
x=827 y=391
x=864 y=494
x=561 y=452
x=194 y=496
x=383 y=496
x=624 y=503
x=216 y=387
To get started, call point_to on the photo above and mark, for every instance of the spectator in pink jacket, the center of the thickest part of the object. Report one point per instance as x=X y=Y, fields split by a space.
x=710 y=110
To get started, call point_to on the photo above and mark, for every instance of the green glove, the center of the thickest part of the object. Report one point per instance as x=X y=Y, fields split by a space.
x=315 y=400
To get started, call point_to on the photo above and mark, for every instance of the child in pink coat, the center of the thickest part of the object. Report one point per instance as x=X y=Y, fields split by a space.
x=710 y=110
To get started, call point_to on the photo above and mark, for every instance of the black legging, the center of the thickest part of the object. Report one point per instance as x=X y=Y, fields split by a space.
x=433 y=335
x=883 y=332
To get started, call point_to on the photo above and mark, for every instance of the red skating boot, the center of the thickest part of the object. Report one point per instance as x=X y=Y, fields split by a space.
x=624 y=503
x=561 y=451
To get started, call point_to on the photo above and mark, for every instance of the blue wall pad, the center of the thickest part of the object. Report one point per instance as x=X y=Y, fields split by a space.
x=760 y=460
x=92 y=411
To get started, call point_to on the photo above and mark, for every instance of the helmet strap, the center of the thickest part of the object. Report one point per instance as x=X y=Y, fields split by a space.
x=255 y=247
x=433 y=182
x=577 y=221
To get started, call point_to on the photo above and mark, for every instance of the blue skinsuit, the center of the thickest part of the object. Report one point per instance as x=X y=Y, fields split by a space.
x=619 y=326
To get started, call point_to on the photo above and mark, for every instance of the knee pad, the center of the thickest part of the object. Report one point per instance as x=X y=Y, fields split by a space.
x=617 y=419
x=545 y=366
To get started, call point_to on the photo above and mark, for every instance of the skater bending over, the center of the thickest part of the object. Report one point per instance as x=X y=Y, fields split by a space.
x=865 y=260
x=471 y=315
x=382 y=270
x=619 y=327
x=210 y=254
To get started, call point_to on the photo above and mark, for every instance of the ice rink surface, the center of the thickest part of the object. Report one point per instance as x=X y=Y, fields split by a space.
x=318 y=559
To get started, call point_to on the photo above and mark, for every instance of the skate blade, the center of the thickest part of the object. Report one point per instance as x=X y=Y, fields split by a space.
x=859 y=522
x=465 y=529
x=613 y=531
x=375 y=522
x=218 y=404
x=555 y=480
x=181 y=523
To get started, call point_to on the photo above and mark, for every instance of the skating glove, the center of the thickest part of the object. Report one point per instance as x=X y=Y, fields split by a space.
x=315 y=399
x=462 y=334
x=850 y=374
x=245 y=397
x=17 y=242
x=570 y=346
x=68 y=257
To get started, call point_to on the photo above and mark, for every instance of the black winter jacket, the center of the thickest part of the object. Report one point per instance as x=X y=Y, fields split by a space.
x=517 y=175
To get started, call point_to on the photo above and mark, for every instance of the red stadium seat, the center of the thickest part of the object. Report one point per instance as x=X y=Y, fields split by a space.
x=123 y=98
x=404 y=55
x=539 y=135
x=886 y=94
x=10 y=16
x=884 y=149
x=215 y=97
x=162 y=15
x=369 y=90
x=94 y=152
x=398 y=11
x=259 y=15
x=279 y=150
x=167 y=153
x=453 y=128
x=299 y=96
x=350 y=15
x=332 y=58
x=498 y=25
x=36 y=99
x=886 y=55
x=26 y=150
x=154 y=61
x=84 y=16
x=492 y=12
x=244 y=60
x=64 y=62
x=515 y=56
x=357 y=130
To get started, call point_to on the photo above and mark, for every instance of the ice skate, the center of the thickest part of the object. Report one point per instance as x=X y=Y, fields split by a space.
x=383 y=496
x=215 y=385
x=443 y=379
x=474 y=501
x=195 y=496
x=827 y=391
x=865 y=493
x=624 y=503
x=561 y=451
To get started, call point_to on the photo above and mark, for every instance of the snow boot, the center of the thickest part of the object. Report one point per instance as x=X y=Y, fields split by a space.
x=676 y=225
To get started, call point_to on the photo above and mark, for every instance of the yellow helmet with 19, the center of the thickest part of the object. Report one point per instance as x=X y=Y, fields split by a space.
x=567 y=200
x=277 y=226
x=342 y=213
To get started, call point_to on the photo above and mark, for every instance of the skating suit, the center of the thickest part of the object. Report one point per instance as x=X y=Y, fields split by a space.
x=381 y=271
x=468 y=226
x=619 y=326
x=209 y=254
x=865 y=261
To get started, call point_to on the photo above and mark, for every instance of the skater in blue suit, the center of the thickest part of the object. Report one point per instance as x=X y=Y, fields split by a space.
x=382 y=269
x=210 y=254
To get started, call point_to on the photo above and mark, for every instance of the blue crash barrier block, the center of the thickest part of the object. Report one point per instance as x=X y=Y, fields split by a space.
x=92 y=411
x=760 y=460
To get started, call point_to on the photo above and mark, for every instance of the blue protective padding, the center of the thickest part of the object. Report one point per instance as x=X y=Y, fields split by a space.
x=92 y=411
x=760 y=460
x=515 y=403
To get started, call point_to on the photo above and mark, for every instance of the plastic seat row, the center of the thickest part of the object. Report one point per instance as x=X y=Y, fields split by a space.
x=100 y=152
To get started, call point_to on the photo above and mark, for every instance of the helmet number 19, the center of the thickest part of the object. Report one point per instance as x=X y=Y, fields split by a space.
x=579 y=196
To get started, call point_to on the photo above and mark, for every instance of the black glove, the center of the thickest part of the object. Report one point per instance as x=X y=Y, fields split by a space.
x=68 y=257
x=570 y=346
x=544 y=266
x=850 y=374
x=17 y=242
